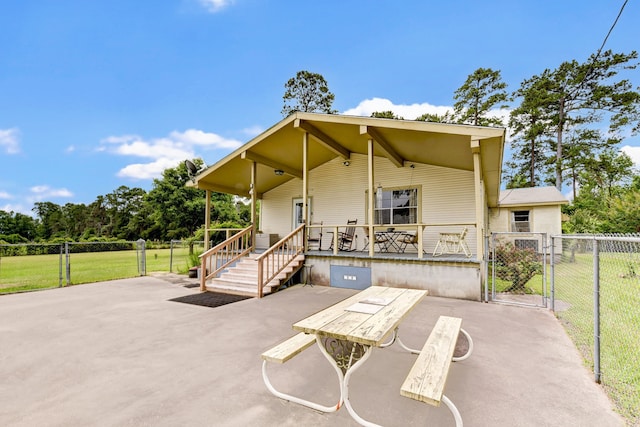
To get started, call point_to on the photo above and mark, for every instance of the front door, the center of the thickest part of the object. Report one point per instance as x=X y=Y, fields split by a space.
x=298 y=218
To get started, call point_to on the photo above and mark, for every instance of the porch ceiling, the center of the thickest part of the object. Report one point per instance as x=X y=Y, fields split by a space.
x=402 y=142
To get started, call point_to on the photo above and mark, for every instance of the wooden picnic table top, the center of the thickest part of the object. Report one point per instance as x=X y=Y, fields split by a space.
x=354 y=319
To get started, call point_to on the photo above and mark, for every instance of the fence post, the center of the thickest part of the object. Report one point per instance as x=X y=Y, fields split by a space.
x=60 y=266
x=552 y=261
x=596 y=311
x=545 y=248
x=67 y=262
x=486 y=268
x=142 y=265
x=171 y=256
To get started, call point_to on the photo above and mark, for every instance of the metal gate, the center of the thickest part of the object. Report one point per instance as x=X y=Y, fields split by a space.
x=517 y=268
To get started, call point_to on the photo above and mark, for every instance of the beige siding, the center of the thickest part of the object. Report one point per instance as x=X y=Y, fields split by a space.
x=543 y=219
x=338 y=193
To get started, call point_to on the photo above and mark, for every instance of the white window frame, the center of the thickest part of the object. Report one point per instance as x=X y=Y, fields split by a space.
x=517 y=224
x=379 y=196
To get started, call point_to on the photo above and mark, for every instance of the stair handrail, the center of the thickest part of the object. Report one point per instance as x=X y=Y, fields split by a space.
x=224 y=254
x=275 y=259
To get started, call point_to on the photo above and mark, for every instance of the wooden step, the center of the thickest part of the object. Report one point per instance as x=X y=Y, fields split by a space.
x=242 y=278
x=217 y=285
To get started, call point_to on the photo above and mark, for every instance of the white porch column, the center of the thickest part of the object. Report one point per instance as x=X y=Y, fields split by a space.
x=370 y=199
x=207 y=218
x=254 y=205
x=479 y=192
x=305 y=180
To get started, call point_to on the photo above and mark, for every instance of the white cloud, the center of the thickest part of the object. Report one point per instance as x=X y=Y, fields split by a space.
x=633 y=152
x=214 y=6
x=409 y=112
x=146 y=170
x=19 y=208
x=412 y=111
x=120 y=139
x=163 y=153
x=253 y=131
x=9 y=140
x=5 y=195
x=205 y=139
x=42 y=192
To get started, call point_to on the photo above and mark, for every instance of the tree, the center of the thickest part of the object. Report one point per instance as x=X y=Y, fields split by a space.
x=386 y=115
x=51 y=220
x=447 y=117
x=21 y=226
x=307 y=92
x=587 y=154
x=529 y=126
x=482 y=91
x=122 y=205
x=576 y=95
x=176 y=210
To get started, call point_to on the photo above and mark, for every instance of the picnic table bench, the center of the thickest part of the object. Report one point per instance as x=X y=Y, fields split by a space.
x=283 y=352
x=347 y=332
x=428 y=376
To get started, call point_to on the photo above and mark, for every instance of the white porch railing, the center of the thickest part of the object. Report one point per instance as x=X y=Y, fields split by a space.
x=224 y=254
x=279 y=256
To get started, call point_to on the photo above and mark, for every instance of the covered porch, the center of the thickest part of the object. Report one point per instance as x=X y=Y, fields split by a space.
x=405 y=182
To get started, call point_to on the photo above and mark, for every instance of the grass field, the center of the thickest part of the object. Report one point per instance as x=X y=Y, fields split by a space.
x=619 y=323
x=23 y=273
x=619 y=319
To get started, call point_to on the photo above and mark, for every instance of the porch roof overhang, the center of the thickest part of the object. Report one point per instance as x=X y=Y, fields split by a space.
x=401 y=141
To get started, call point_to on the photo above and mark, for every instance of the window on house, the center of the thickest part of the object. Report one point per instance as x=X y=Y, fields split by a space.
x=521 y=221
x=399 y=206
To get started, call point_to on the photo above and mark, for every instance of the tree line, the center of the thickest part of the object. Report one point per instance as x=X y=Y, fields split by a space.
x=566 y=127
x=170 y=210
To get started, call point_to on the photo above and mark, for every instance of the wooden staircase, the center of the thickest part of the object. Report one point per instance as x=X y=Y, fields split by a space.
x=242 y=278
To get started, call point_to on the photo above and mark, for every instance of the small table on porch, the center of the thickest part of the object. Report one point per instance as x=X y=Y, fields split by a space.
x=347 y=332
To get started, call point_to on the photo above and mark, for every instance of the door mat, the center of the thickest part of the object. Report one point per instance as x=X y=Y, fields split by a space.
x=210 y=299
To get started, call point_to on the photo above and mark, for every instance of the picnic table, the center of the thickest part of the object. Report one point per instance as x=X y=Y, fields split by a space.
x=348 y=331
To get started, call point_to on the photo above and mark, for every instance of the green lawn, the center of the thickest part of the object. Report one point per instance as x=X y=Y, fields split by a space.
x=22 y=273
x=619 y=318
x=619 y=322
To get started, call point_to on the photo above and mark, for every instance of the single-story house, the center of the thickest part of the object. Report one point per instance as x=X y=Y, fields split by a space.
x=528 y=216
x=361 y=201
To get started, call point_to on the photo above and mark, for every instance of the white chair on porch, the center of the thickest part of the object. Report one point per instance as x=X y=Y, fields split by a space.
x=452 y=243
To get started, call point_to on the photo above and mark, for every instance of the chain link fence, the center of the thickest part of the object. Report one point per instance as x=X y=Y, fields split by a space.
x=25 y=267
x=517 y=268
x=184 y=255
x=595 y=292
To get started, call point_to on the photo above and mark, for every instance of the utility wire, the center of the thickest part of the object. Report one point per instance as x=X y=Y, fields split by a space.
x=612 y=27
x=595 y=58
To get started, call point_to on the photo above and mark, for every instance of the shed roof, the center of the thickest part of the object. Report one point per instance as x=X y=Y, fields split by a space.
x=534 y=196
x=331 y=136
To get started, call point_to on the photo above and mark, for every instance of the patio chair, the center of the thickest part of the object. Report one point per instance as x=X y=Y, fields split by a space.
x=408 y=239
x=346 y=237
x=452 y=243
x=314 y=237
x=380 y=239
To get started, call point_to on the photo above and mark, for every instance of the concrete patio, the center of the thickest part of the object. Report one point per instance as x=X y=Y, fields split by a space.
x=120 y=353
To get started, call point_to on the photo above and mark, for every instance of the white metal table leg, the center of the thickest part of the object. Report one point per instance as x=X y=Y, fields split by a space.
x=469 y=351
x=454 y=410
x=345 y=392
x=350 y=369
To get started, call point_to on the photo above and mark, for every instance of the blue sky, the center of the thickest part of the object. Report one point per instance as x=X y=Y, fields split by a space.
x=95 y=94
